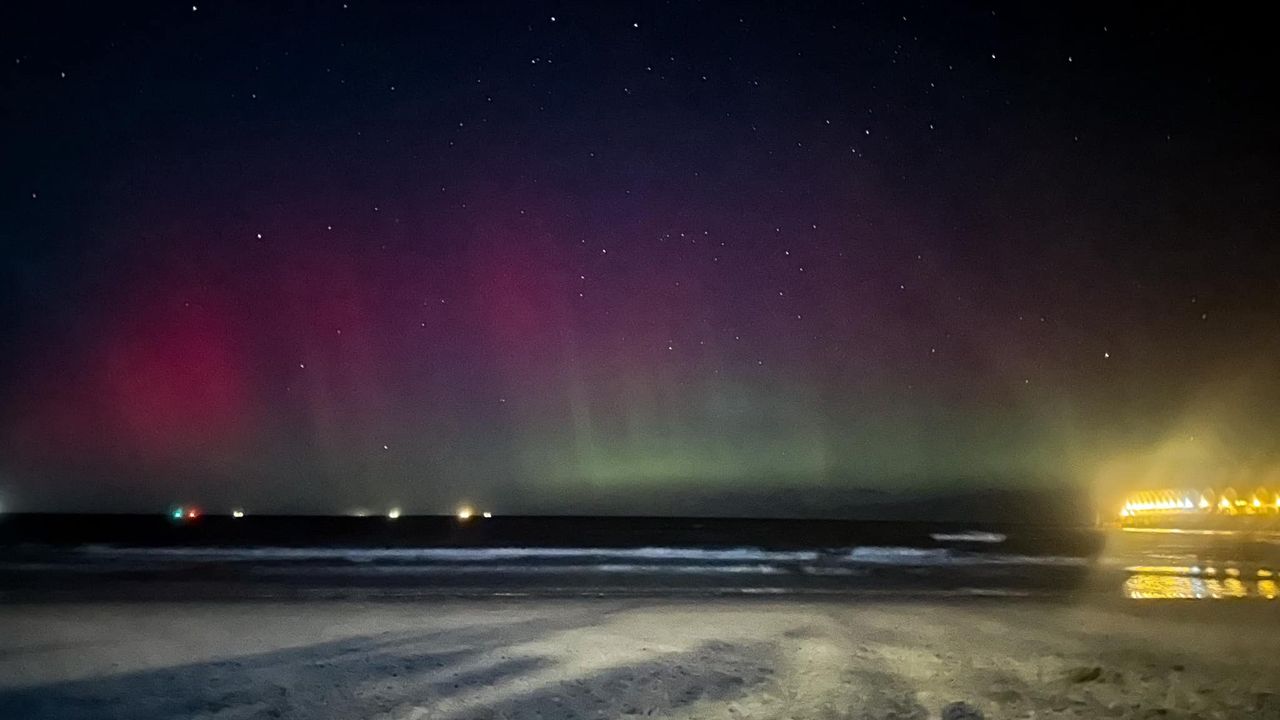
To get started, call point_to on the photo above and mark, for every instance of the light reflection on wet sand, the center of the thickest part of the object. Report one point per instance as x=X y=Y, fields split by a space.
x=1196 y=564
x=1190 y=583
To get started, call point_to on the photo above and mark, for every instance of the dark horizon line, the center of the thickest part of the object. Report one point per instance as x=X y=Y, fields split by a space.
x=509 y=516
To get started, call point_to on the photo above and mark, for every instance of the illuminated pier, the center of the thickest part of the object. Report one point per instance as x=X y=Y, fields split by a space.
x=1208 y=506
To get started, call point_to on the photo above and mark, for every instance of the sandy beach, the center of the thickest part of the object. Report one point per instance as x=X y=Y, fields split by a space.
x=612 y=657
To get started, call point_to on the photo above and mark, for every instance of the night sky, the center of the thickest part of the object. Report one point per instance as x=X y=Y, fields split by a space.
x=672 y=258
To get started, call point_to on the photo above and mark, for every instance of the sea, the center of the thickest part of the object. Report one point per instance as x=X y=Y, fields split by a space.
x=50 y=557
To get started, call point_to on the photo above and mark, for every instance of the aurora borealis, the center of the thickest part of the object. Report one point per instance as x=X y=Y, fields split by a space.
x=657 y=258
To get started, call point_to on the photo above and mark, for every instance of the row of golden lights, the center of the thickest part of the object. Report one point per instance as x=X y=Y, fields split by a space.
x=1148 y=502
x=466 y=512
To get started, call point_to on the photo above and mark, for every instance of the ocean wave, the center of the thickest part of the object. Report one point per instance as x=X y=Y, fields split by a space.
x=515 y=569
x=670 y=559
x=460 y=555
x=971 y=536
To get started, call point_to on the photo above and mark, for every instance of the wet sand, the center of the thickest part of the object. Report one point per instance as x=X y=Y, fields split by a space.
x=780 y=657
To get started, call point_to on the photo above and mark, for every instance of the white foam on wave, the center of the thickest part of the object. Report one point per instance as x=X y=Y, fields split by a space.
x=899 y=556
x=510 y=569
x=562 y=559
x=970 y=536
x=744 y=554
x=934 y=557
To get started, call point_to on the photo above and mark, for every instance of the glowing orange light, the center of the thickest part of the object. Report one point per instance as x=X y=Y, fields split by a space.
x=1162 y=503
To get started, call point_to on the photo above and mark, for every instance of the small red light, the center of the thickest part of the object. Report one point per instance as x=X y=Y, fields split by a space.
x=191 y=514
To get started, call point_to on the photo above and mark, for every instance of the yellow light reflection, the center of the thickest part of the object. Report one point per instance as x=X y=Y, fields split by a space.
x=1268 y=589
x=1160 y=587
x=1233 y=588
x=1165 y=585
x=1163 y=570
